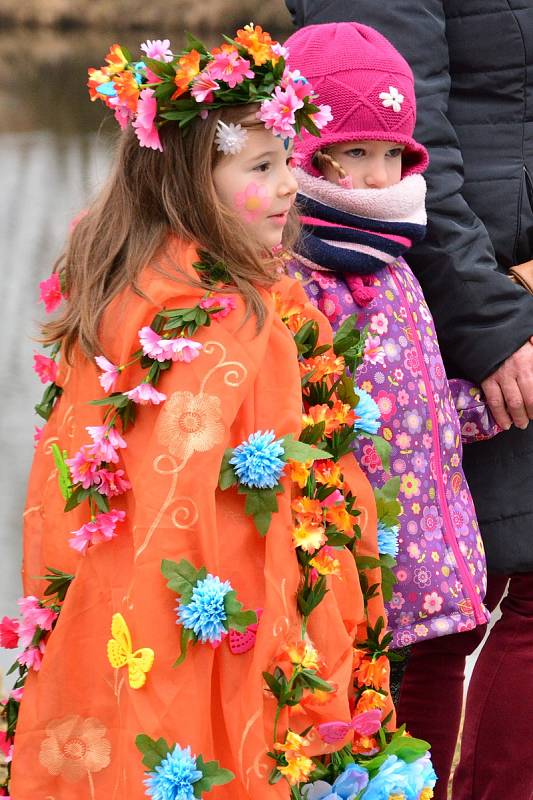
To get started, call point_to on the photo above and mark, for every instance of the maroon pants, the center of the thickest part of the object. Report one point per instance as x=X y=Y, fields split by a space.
x=497 y=741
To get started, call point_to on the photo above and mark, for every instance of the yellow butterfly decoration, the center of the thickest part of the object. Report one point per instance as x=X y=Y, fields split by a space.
x=120 y=653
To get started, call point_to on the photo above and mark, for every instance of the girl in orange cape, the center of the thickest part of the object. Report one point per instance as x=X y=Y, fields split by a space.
x=199 y=558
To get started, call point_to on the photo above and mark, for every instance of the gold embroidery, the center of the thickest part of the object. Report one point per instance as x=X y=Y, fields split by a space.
x=75 y=747
x=190 y=423
x=233 y=376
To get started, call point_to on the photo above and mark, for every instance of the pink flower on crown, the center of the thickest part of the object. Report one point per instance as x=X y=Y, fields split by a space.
x=252 y=201
x=145 y=129
x=278 y=113
x=229 y=66
x=203 y=87
x=226 y=304
x=32 y=657
x=279 y=50
x=101 y=529
x=46 y=368
x=322 y=116
x=123 y=113
x=106 y=441
x=111 y=483
x=84 y=466
x=297 y=82
x=158 y=49
x=50 y=293
x=144 y=394
x=110 y=373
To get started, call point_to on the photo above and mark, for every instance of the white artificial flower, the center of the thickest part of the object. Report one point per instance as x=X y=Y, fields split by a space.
x=230 y=139
x=392 y=98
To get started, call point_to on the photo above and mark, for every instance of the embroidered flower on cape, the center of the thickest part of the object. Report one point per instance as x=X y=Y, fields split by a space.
x=230 y=139
x=392 y=99
x=74 y=747
x=190 y=423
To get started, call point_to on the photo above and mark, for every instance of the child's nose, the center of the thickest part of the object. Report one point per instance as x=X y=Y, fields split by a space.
x=289 y=184
x=377 y=177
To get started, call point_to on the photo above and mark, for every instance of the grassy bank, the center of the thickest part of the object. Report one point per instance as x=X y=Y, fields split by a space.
x=162 y=16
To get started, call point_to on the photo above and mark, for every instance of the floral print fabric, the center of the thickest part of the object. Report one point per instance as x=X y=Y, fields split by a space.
x=441 y=576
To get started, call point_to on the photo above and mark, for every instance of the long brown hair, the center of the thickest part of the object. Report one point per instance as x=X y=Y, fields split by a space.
x=148 y=196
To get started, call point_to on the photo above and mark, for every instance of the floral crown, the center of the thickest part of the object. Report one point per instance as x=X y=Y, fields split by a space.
x=162 y=86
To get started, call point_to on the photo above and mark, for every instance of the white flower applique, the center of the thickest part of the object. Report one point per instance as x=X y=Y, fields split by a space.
x=392 y=98
x=230 y=138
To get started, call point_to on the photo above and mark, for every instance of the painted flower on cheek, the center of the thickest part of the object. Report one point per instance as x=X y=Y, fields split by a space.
x=253 y=201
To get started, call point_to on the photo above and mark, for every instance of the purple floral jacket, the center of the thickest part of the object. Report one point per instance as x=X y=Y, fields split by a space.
x=440 y=573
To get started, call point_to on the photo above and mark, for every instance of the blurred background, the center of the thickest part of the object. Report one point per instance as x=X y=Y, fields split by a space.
x=55 y=148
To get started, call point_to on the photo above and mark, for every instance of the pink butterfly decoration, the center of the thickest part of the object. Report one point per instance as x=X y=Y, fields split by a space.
x=366 y=724
x=240 y=643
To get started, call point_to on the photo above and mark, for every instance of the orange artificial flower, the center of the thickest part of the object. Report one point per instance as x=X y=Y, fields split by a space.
x=257 y=42
x=305 y=507
x=304 y=654
x=291 y=313
x=373 y=673
x=308 y=536
x=338 y=516
x=357 y=658
x=127 y=90
x=344 y=413
x=189 y=67
x=322 y=365
x=426 y=794
x=328 y=473
x=369 y=700
x=298 y=769
x=116 y=59
x=365 y=745
x=299 y=472
x=321 y=413
x=325 y=563
x=96 y=78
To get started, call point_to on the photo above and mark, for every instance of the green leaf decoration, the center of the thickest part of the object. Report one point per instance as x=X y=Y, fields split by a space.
x=313 y=433
x=236 y=618
x=58 y=583
x=63 y=472
x=213 y=775
x=182 y=577
x=227 y=477
x=186 y=636
x=48 y=400
x=116 y=399
x=262 y=520
x=77 y=496
x=299 y=451
x=153 y=751
x=102 y=503
x=383 y=449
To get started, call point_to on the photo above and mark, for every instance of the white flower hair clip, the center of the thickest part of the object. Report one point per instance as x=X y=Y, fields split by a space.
x=392 y=98
x=230 y=139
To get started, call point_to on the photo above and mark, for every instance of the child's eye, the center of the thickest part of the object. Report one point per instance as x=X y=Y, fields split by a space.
x=263 y=167
x=355 y=152
x=394 y=152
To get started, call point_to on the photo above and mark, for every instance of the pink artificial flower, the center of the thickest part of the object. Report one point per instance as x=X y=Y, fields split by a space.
x=145 y=393
x=152 y=344
x=295 y=79
x=279 y=50
x=158 y=49
x=45 y=367
x=16 y=694
x=37 y=434
x=9 y=635
x=144 y=125
x=203 y=87
x=123 y=113
x=225 y=303
x=32 y=657
x=368 y=722
x=182 y=349
x=106 y=442
x=229 y=66
x=109 y=375
x=84 y=466
x=253 y=201
x=6 y=746
x=111 y=483
x=50 y=293
x=100 y=529
x=279 y=112
x=322 y=117
x=34 y=616
x=331 y=499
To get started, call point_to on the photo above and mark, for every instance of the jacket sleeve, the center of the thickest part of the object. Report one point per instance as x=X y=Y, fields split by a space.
x=480 y=315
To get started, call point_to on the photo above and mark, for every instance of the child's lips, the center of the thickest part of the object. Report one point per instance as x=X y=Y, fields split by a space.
x=280 y=218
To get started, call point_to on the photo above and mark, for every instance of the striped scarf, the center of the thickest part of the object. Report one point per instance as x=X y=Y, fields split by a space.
x=359 y=231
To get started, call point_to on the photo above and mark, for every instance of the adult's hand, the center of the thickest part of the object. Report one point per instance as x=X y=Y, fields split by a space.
x=509 y=390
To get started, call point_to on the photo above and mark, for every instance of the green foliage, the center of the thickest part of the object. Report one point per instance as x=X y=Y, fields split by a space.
x=63 y=472
x=52 y=393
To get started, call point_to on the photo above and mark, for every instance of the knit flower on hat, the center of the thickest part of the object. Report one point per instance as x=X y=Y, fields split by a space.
x=392 y=99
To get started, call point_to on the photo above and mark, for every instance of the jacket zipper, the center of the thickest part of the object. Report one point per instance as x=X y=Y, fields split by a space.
x=462 y=567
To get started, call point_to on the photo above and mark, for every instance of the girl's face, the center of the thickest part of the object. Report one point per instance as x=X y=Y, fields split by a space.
x=258 y=185
x=370 y=164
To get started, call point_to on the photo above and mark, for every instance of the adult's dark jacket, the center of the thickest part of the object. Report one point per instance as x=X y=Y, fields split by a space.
x=473 y=64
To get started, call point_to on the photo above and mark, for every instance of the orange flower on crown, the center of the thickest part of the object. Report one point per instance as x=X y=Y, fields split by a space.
x=325 y=562
x=116 y=59
x=328 y=473
x=308 y=509
x=189 y=67
x=369 y=700
x=308 y=536
x=299 y=472
x=96 y=78
x=322 y=365
x=373 y=673
x=127 y=90
x=338 y=516
x=257 y=42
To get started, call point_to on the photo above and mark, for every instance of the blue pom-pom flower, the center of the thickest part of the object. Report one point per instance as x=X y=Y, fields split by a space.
x=174 y=777
x=257 y=460
x=388 y=539
x=205 y=613
x=368 y=412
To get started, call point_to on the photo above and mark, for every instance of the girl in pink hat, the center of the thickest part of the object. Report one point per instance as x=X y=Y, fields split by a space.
x=361 y=199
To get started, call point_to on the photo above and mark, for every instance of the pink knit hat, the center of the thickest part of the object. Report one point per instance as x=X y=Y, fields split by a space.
x=367 y=83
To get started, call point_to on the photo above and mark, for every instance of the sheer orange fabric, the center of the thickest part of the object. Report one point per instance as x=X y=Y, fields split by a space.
x=79 y=716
